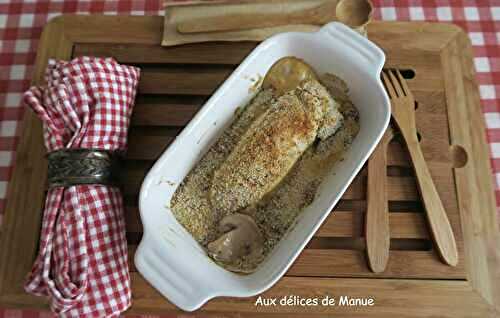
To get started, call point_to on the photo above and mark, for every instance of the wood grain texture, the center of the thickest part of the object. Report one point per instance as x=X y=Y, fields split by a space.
x=179 y=80
x=172 y=37
x=391 y=298
x=244 y=16
x=21 y=224
x=200 y=53
x=402 y=225
x=476 y=202
x=445 y=91
x=428 y=298
x=377 y=211
x=394 y=298
x=353 y=263
x=400 y=188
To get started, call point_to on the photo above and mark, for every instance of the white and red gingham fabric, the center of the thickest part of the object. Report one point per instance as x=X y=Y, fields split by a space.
x=21 y=23
x=82 y=264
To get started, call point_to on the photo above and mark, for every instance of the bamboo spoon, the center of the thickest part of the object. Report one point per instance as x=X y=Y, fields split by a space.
x=403 y=112
x=356 y=14
x=220 y=16
x=255 y=20
x=377 y=212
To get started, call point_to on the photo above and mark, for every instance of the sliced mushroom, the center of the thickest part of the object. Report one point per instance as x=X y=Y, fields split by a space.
x=241 y=239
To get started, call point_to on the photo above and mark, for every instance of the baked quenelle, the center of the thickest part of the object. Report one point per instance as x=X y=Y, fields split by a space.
x=246 y=192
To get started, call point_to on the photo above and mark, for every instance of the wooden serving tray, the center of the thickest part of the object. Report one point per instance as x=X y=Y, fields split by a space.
x=436 y=59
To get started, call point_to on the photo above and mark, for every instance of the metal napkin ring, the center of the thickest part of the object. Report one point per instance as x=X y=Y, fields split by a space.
x=69 y=167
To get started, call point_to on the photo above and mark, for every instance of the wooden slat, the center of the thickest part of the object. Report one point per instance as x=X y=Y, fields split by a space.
x=163 y=114
x=177 y=80
x=338 y=224
x=359 y=244
x=353 y=263
x=408 y=225
x=402 y=189
x=448 y=298
x=133 y=219
x=399 y=188
x=147 y=147
x=397 y=154
x=424 y=83
x=436 y=36
x=474 y=182
x=428 y=77
x=351 y=224
x=134 y=224
x=393 y=298
x=178 y=111
x=202 y=53
x=20 y=233
x=430 y=102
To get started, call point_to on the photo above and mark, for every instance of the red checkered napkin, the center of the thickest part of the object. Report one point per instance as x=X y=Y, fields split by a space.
x=82 y=262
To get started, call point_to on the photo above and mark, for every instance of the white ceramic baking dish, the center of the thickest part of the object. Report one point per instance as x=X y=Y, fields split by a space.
x=168 y=257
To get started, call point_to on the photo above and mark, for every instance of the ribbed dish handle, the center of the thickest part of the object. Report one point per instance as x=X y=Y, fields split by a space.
x=174 y=279
x=372 y=56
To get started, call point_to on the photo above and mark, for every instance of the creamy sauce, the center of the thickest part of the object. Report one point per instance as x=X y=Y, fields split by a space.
x=286 y=74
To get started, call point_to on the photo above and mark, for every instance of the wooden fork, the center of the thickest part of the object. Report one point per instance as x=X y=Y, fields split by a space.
x=403 y=113
x=377 y=234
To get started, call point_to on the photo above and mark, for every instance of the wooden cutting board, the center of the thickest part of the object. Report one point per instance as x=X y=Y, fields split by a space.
x=437 y=61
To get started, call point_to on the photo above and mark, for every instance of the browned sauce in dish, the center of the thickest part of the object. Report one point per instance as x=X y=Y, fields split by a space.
x=246 y=192
x=286 y=74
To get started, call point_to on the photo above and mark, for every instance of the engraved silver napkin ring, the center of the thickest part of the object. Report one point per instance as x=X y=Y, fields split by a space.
x=69 y=167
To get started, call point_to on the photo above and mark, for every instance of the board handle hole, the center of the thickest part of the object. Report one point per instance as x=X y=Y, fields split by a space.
x=459 y=156
x=407 y=73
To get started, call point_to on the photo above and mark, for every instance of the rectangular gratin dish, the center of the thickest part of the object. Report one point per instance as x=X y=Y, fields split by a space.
x=168 y=257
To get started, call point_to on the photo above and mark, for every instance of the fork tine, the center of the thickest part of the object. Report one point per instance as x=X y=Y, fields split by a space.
x=388 y=85
x=396 y=84
x=404 y=84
